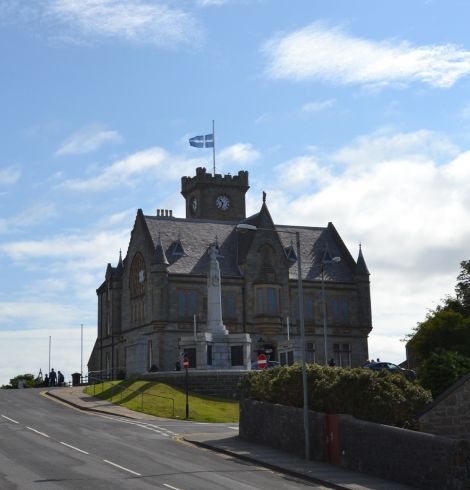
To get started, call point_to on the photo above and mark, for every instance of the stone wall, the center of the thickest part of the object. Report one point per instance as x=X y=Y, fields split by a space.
x=282 y=427
x=449 y=414
x=222 y=384
x=422 y=460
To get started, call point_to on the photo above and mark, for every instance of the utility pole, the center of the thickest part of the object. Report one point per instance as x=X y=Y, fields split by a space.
x=49 y=356
x=81 y=350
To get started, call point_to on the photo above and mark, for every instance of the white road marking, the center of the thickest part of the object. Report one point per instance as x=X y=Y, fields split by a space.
x=122 y=467
x=73 y=447
x=169 y=486
x=144 y=425
x=11 y=420
x=234 y=428
x=37 y=432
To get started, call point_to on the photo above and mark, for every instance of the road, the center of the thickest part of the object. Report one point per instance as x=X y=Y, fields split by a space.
x=46 y=445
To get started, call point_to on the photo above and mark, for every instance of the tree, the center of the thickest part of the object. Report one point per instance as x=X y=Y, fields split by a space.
x=462 y=289
x=444 y=330
x=441 y=370
x=441 y=343
x=29 y=381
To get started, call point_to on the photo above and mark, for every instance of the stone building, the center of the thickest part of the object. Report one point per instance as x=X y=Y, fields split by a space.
x=157 y=294
x=449 y=414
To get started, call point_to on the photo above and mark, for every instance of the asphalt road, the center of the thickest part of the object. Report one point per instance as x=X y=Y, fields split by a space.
x=46 y=445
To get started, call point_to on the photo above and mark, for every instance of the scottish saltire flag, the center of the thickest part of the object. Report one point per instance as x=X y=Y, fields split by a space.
x=203 y=141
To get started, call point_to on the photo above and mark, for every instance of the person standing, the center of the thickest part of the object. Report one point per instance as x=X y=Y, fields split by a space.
x=60 y=378
x=52 y=377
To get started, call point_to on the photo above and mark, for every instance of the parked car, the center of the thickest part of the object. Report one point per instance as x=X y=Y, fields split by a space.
x=393 y=368
x=271 y=364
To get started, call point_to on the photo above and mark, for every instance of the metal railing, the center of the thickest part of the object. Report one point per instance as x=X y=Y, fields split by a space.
x=138 y=392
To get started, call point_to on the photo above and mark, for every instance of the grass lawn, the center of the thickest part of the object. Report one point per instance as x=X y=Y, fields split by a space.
x=159 y=399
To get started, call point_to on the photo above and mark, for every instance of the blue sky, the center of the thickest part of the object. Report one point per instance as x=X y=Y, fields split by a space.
x=352 y=112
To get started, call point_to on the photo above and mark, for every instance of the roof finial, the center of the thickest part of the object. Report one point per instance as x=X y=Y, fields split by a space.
x=120 y=259
x=264 y=197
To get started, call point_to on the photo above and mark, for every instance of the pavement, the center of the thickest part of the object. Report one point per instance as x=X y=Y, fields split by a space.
x=230 y=444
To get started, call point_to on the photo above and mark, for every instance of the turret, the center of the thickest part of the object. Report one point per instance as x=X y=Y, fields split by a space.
x=219 y=197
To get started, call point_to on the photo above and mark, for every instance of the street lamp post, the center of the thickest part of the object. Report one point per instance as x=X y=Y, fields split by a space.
x=334 y=260
x=243 y=226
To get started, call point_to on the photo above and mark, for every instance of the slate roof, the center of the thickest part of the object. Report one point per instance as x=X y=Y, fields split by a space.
x=196 y=235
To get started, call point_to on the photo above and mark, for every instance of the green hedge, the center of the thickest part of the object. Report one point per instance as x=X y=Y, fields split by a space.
x=375 y=396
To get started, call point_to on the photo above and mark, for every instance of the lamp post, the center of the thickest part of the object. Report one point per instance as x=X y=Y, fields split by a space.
x=243 y=226
x=324 y=261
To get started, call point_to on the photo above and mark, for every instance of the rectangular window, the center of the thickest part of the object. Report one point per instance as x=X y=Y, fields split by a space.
x=236 y=352
x=342 y=355
x=229 y=305
x=340 y=309
x=267 y=300
x=290 y=358
x=345 y=310
x=209 y=354
x=187 y=303
x=260 y=301
x=310 y=352
x=309 y=307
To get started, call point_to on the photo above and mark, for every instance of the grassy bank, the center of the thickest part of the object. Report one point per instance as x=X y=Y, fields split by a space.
x=165 y=401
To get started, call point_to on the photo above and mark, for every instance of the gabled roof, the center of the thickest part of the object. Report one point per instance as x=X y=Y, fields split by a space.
x=195 y=236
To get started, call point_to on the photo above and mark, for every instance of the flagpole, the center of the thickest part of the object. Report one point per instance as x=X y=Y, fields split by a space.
x=213 y=146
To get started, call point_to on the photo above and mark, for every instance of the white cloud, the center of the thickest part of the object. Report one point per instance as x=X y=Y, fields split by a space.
x=37 y=314
x=153 y=163
x=319 y=52
x=32 y=216
x=409 y=211
x=88 y=139
x=210 y=3
x=239 y=153
x=302 y=172
x=9 y=175
x=88 y=249
x=318 y=106
x=27 y=351
x=137 y=21
x=385 y=145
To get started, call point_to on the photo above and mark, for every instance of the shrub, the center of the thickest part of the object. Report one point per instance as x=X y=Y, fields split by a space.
x=375 y=396
x=441 y=370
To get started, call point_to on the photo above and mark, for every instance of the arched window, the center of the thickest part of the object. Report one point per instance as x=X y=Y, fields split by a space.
x=137 y=276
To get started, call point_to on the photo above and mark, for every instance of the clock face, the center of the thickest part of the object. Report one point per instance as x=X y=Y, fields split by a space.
x=222 y=202
x=194 y=204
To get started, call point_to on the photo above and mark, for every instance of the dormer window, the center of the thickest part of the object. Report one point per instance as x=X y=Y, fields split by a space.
x=291 y=255
x=178 y=249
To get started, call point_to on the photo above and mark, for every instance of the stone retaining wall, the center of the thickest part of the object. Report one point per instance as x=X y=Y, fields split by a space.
x=422 y=460
x=218 y=383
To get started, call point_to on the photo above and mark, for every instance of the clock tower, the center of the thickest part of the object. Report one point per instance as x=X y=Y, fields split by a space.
x=215 y=197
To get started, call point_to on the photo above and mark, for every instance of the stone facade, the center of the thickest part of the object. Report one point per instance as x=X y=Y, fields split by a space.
x=158 y=292
x=449 y=414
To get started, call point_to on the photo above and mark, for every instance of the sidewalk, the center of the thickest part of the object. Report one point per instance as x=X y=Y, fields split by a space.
x=227 y=443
